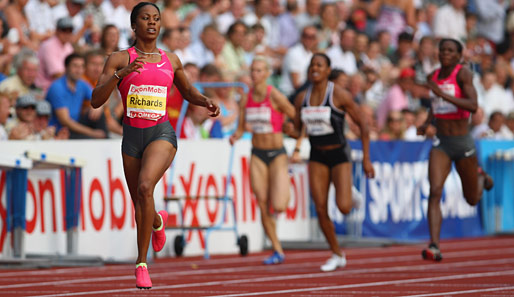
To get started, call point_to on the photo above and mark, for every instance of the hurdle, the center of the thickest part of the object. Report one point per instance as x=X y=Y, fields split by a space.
x=16 y=169
x=72 y=168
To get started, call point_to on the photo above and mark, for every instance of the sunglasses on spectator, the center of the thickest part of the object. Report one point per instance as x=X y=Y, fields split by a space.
x=394 y=119
x=29 y=107
x=66 y=30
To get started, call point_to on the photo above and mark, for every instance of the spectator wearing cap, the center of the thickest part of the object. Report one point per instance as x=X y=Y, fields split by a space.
x=396 y=98
x=52 y=53
x=70 y=99
x=41 y=124
x=23 y=81
x=4 y=115
x=21 y=127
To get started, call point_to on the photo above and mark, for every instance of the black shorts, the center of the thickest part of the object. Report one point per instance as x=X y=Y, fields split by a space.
x=135 y=140
x=456 y=147
x=267 y=156
x=331 y=157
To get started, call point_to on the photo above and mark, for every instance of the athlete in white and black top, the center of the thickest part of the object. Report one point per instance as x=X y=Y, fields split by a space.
x=322 y=108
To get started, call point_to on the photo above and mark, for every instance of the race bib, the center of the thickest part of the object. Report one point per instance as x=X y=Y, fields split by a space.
x=146 y=102
x=259 y=119
x=441 y=106
x=317 y=120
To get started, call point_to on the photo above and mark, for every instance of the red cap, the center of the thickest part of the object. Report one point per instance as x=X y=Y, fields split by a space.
x=407 y=73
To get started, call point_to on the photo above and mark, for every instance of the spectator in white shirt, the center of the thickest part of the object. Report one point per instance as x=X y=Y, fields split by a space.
x=491 y=19
x=310 y=17
x=450 y=20
x=237 y=12
x=297 y=60
x=119 y=16
x=341 y=54
x=202 y=50
x=497 y=129
x=492 y=96
x=40 y=17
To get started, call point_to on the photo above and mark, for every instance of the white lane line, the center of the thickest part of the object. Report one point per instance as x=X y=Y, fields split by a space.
x=425 y=267
x=122 y=268
x=373 y=284
x=283 y=267
x=463 y=292
x=288 y=267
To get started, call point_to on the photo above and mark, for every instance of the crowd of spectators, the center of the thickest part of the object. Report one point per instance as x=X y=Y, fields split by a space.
x=52 y=53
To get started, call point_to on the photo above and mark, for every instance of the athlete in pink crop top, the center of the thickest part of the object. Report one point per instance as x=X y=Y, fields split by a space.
x=264 y=110
x=145 y=94
x=145 y=75
x=443 y=109
x=455 y=97
x=261 y=116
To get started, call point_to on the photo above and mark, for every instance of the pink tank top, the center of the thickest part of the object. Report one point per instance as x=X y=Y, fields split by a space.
x=443 y=109
x=145 y=94
x=261 y=116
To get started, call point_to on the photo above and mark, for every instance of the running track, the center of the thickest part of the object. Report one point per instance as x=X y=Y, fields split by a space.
x=471 y=267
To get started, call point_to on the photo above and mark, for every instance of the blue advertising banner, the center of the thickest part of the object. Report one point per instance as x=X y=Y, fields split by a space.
x=396 y=200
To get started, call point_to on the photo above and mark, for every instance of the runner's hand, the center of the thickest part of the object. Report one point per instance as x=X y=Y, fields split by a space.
x=368 y=168
x=214 y=109
x=135 y=66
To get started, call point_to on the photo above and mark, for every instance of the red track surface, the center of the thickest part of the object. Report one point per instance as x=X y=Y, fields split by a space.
x=472 y=267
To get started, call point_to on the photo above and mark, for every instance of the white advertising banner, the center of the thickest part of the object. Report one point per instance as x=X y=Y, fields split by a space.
x=106 y=224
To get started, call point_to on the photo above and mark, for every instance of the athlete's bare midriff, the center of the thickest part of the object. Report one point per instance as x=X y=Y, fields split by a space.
x=457 y=127
x=268 y=141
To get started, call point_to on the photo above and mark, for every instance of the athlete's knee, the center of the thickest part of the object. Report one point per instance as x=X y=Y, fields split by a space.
x=435 y=195
x=145 y=189
x=345 y=207
x=322 y=211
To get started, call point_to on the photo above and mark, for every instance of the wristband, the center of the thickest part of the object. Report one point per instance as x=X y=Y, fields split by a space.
x=297 y=150
x=431 y=94
x=116 y=75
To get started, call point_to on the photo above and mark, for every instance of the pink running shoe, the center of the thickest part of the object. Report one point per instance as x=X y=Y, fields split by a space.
x=159 y=235
x=143 y=280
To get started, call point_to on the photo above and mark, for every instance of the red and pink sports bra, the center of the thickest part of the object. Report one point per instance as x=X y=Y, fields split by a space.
x=145 y=94
x=443 y=109
x=261 y=116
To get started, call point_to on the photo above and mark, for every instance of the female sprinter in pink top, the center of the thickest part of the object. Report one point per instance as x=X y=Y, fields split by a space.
x=453 y=99
x=264 y=111
x=144 y=75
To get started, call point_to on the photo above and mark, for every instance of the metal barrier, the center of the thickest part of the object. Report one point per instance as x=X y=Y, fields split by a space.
x=180 y=242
